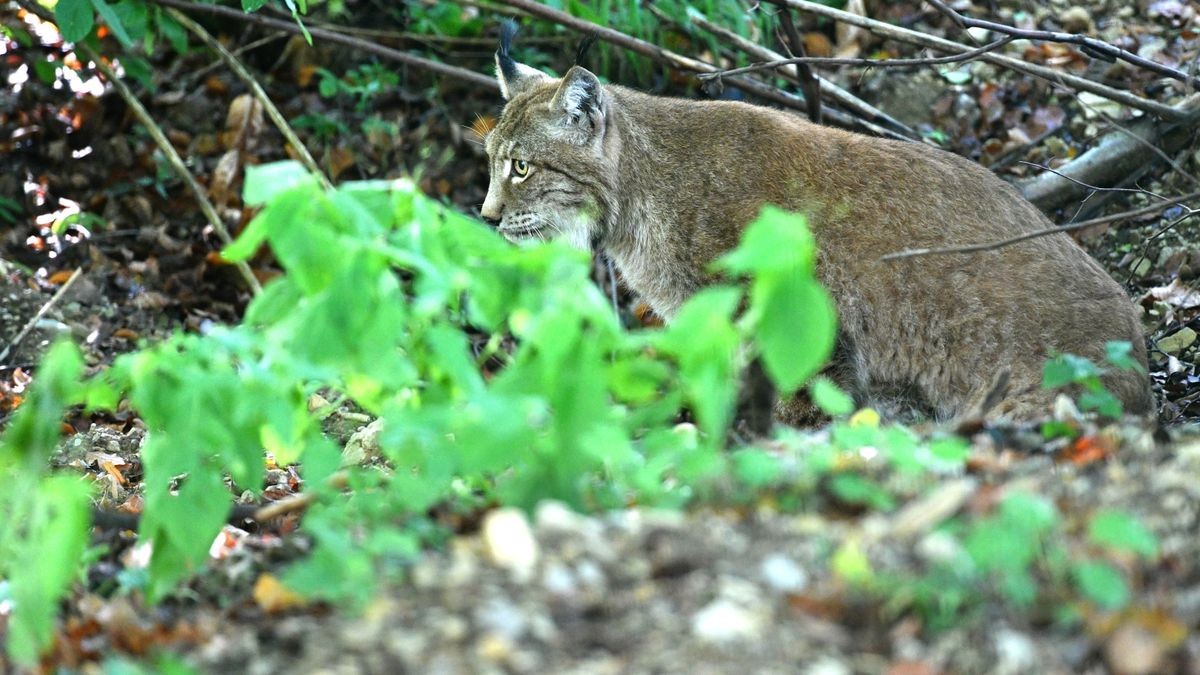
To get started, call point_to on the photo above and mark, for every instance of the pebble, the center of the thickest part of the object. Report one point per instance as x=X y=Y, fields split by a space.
x=938 y=548
x=782 y=574
x=1178 y=341
x=591 y=575
x=827 y=666
x=558 y=580
x=1014 y=652
x=499 y=616
x=509 y=542
x=555 y=516
x=494 y=648
x=724 y=621
x=363 y=444
x=1132 y=650
x=1076 y=20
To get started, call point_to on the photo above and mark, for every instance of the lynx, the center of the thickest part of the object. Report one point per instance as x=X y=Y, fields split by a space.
x=664 y=186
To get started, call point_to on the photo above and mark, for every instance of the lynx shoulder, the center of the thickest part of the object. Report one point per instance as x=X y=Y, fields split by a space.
x=664 y=186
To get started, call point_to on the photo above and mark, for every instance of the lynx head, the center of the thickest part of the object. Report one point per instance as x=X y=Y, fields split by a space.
x=549 y=175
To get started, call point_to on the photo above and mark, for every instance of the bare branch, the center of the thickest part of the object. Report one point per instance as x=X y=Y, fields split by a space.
x=679 y=61
x=828 y=89
x=1117 y=156
x=1090 y=46
x=256 y=90
x=62 y=290
x=1069 y=227
x=882 y=63
x=808 y=79
x=915 y=37
x=471 y=76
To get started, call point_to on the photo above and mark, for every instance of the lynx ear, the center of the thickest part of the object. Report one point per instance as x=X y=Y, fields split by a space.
x=580 y=98
x=514 y=77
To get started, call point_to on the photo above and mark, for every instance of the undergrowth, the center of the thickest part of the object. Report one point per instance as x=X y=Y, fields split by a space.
x=402 y=306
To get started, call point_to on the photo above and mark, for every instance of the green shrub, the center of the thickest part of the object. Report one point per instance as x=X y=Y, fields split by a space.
x=384 y=294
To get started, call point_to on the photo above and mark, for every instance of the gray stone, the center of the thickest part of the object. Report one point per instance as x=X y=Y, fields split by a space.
x=782 y=574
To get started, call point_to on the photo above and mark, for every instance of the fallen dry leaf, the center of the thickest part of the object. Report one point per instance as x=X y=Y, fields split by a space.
x=1175 y=294
x=273 y=597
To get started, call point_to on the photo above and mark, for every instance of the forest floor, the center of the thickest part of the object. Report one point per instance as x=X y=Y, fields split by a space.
x=748 y=589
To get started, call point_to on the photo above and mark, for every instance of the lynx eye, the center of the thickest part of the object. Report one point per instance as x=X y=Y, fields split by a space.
x=520 y=168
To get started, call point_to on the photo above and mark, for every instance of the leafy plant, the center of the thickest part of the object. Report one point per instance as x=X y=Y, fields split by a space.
x=381 y=292
x=1068 y=369
x=361 y=84
x=1018 y=553
x=45 y=525
x=323 y=126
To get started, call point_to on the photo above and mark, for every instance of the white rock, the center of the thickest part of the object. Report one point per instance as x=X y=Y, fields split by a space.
x=556 y=516
x=724 y=621
x=558 y=580
x=509 y=542
x=827 y=666
x=782 y=574
x=499 y=616
x=591 y=575
x=363 y=444
x=1015 y=652
x=939 y=548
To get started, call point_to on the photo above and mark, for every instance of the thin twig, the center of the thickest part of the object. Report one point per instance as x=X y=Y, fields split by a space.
x=421 y=38
x=915 y=37
x=257 y=91
x=40 y=313
x=471 y=76
x=1176 y=166
x=828 y=89
x=882 y=63
x=808 y=79
x=1070 y=227
x=173 y=158
x=1089 y=186
x=196 y=76
x=160 y=139
x=679 y=61
x=1090 y=46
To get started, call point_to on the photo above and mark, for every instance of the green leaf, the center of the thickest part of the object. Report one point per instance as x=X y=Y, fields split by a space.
x=797 y=326
x=1032 y=512
x=265 y=181
x=75 y=19
x=140 y=70
x=47 y=72
x=56 y=537
x=951 y=449
x=776 y=241
x=1120 y=531
x=1102 y=584
x=1102 y=401
x=851 y=564
x=1119 y=353
x=34 y=430
x=113 y=21
x=252 y=5
x=175 y=34
x=829 y=398
x=854 y=488
x=756 y=468
x=1067 y=369
x=134 y=16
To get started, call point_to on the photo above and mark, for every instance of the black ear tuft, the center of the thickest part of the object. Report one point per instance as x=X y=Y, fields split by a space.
x=584 y=46
x=508 y=30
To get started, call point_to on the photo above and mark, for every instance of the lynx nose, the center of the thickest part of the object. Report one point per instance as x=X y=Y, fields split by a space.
x=492 y=209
